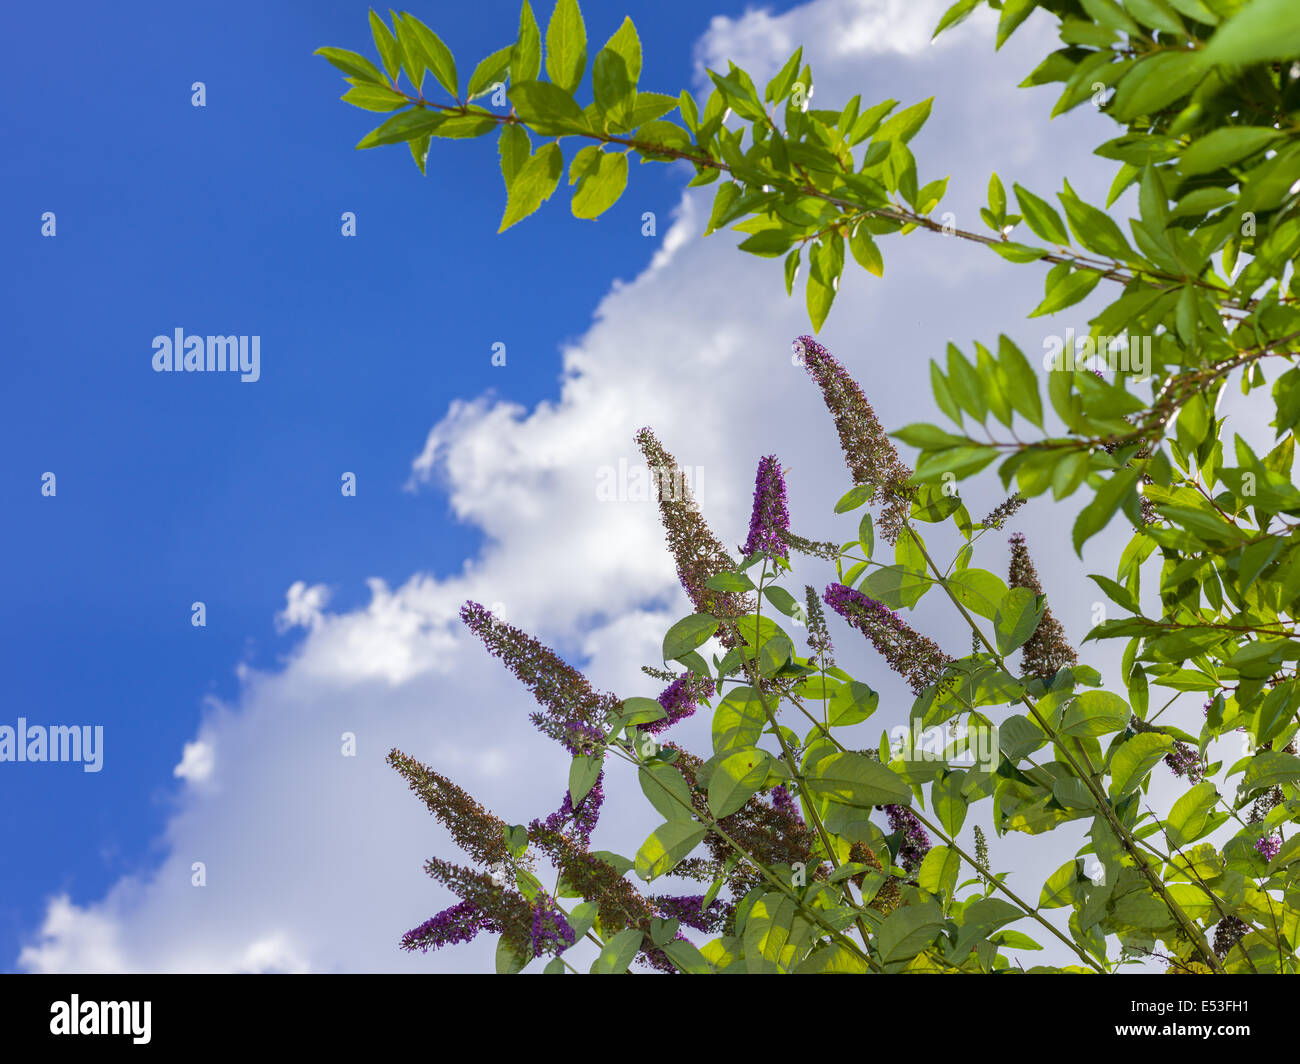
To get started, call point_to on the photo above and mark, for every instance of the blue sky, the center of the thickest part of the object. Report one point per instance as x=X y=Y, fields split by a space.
x=174 y=488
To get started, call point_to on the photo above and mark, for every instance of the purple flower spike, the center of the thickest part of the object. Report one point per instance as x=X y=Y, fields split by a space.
x=770 y=518
x=680 y=699
x=916 y=843
x=551 y=931
x=460 y=923
x=910 y=654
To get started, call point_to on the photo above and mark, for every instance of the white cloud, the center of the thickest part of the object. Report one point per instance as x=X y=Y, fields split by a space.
x=197 y=762
x=313 y=859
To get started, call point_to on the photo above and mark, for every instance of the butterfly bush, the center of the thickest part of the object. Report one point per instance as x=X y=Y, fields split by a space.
x=792 y=839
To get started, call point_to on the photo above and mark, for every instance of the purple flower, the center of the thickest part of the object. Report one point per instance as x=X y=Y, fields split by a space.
x=1268 y=845
x=584 y=817
x=689 y=910
x=770 y=517
x=916 y=843
x=551 y=931
x=868 y=452
x=783 y=803
x=581 y=738
x=910 y=654
x=680 y=699
x=460 y=923
x=1184 y=761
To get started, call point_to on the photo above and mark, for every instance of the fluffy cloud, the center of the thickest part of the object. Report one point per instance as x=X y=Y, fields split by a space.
x=312 y=859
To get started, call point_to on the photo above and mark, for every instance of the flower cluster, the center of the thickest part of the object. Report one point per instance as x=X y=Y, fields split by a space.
x=770 y=520
x=489 y=906
x=1004 y=511
x=680 y=699
x=583 y=818
x=783 y=803
x=550 y=932
x=691 y=911
x=868 y=451
x=565 y=695
x=1268 y=845
x=886 y=899
x=1046 y=651
x=1229 y=931
x=915 y=842
x=476 y=831
x=910 y=654
x=819 y=636
x=695 y=548
x=461 y=923
x=1183 y=760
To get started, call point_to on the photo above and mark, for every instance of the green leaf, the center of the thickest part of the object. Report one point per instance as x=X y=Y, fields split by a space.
x=949 y=802
x=533 y=184
x=739 y=720
x=1262 y=30
x=1018 y=737
x=687 y=634
x=1065 y=287
x=1270 y=768
x=864 y=250
x=955 y=14
x=1059 y=888
x=687 y=957
x=437 y=56
x=978 y=590
x=1094 y=228
x=566 y=46
x=856 y=780
x=1134 y=760
x=907 y=931
x=1222 y=147
x=1017 y=618
x=627 y=44
x=583 y=772
x=1155 y=82
x=938 y=871
x=613 y=89
x=666 y=846
x=407 y=125
x=514 y=148
x=508 y=962
x=374 y=97
x=1041 y=217
x=853 y=498
x=389 y=50
x=1095 y=713
x=736 y=778
x=491 y=71
x=600 y=190
x=1188 y=819
x=358 y=66
x=526 y=55
x=1097 y=514
x=773 y=647
x=547 y=109
x=667 y=790
x=1022 y=381
x=852 y=703
x=619 y=952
